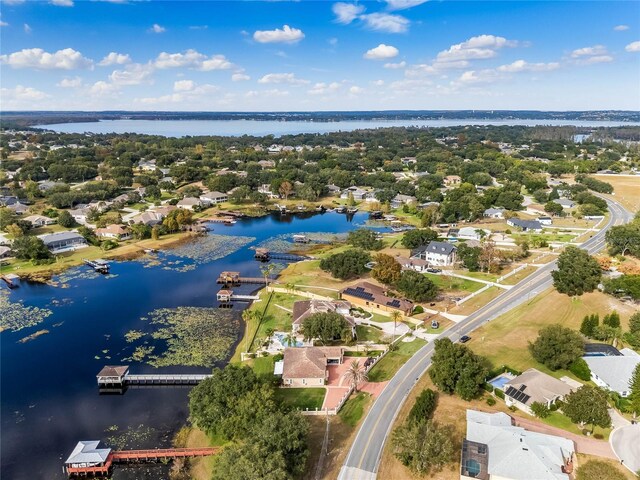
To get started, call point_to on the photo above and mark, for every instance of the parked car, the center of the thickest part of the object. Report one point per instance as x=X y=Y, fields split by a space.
x=434 y=270
x=435 y=324
x=465 y=338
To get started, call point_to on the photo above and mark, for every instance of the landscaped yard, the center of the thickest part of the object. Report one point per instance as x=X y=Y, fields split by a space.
x=476 y=302
x=263 y=365
x=447 y=282
x=352 y=410
x=556 y=419
x=386 y=368
x=369 y=334
x=302 y=398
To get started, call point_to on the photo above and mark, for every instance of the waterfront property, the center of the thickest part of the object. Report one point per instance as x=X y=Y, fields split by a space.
x=118 y=377
x=214 y=198
x=307 y=366
x=525 y=225
x=534 y=386
x=64 y=241
x=190 y=203
x=305 y=308
x=414 y=263
x=439 y=254
x=114 y=232
x=369 y=295
x=495 y=449
x=613 y=372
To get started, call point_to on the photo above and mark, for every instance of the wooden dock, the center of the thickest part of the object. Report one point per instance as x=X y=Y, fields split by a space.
x=234 y=279
x=118 y=377
x=100 y=266
x=264 y=255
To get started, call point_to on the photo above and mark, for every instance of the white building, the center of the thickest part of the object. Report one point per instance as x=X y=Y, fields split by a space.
x=613 y=372
x=494 y=213
x=189 y=203
x=213 y=198
x=441 y=254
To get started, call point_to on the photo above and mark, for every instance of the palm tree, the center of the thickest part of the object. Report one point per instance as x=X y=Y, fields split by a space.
x=396 y=316
x=266 y=272
x=355 y=374
x=248 y=316
x=290 y=339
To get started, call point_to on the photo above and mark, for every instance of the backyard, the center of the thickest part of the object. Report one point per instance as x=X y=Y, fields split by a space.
x=302 y=398
x=386 y=368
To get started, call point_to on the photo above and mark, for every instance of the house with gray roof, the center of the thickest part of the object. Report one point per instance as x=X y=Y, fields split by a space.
x=441 y=254
x=565 y=202
x=496 y=449
x=494 y=213
x=63 y=241
x=525 y=225
x=533 y=386
x=613 y=372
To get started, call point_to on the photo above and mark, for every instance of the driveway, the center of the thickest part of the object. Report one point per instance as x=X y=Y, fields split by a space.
x=625 y=442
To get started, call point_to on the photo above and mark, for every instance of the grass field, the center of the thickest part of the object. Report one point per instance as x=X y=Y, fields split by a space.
x=301 y=398
x=454 y=284
x=386 y=368
x=516 y=277
x=476 y=302
x=626 y=190
x=354 y=408
x=504 y=340
x=369 y=334
x=263 y=365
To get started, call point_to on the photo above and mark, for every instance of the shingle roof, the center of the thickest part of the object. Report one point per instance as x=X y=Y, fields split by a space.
x=88 y=452
x=308 y=362
x=113 y=371
x=526 y=224
x=60 y=237
x=374 y=293
x=535 y=386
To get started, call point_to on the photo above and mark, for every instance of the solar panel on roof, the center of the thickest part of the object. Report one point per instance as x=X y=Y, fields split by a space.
x=518 y=395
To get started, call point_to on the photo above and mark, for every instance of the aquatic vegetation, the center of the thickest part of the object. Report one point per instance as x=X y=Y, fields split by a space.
x=188 y=336
x=33 y=336
x=284 y=243
x=133 y=335
x=139 y=354
x=132 y=437
x=15 y=316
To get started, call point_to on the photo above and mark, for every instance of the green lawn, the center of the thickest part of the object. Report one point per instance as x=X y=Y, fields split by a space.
x=369 y=334
x=488 y=277
x=301 y=398
x=556 y=419
x=447 y=282
x=263 y=365
x=362 y=353
x=386 y=368
x=353 y=409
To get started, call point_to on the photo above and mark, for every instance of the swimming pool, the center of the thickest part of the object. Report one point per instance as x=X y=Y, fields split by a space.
x=282 y=338
x=500 y=380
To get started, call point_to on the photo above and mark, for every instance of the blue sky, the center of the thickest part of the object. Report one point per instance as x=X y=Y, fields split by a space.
x=319 y=55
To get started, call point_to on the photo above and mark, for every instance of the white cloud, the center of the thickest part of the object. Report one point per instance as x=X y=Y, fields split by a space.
x=3 y=24
x=155 y=28
x=633 y=47
x=589 y=51
x=183 y=85
x=322 y=88
x=621 y=28
x=596 y=59
x=134 y=74
x=403 y=4
x=284 y=35
x=476 y=48
x=67 y=59
x=13 y=2
x=74 y=82
x=192 y=59
x=355 y=90
x=240 y=77
x=198 y=27
x=21 y=93
x=480 y=76
x=522 y=66
x=395 y=66
x=378 y=83
x=115 y=59
x=289 y=78
x=385 y=22
x=62 y=3
x=27 y=28
x=381 y=52
x=346 y=12
x=102 y=88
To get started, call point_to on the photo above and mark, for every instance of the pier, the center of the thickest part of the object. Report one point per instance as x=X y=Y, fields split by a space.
x=264 y=255
x=118 y=378
x=12 y=280
x=234 y=279
x=87 y=460
x=99 y=265
x=226 y=296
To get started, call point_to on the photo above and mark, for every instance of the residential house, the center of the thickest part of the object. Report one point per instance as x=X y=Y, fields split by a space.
x=213 y=198
x=495 y=449
x=613 y=372
x=115 y=232
x=494 y=213
x=307 y=366
x=39 y=220
x=46 y=185
x=265 y=188
x=189 y=203
x=534 y=386
x=358 y=193
x=63 y=241
x=441 y=254
x=150 y=218
x=5 y=252
x=305 y=308
x=147 y=165
x=400 y=200
x=267 y=164
x=546 y=221
x=7 y=200
x=417 y=264
x=18 y=208
x=565 y=203
x=333 y=189
x=406 y=161
x=80 y=214
x=471 y=233
x=450 y=180
x=373 y=296
x=525 y=225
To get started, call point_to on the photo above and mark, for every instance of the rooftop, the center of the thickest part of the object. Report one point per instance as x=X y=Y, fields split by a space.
x=88 y=452
x=308 y=362
x=535 y=386
x=614 y=370
x=374 y=293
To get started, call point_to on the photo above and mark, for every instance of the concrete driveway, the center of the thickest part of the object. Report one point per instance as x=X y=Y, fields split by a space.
x=625 y=442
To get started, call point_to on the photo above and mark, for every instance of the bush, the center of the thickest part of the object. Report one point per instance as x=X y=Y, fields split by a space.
x=424 y=407
x=580 y=369
x=540 y=410
x=488 y=387
x=491 y=401
x=418 y=309
x=499 y=393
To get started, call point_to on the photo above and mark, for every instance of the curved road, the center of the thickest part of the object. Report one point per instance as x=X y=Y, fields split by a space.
x=364 y=457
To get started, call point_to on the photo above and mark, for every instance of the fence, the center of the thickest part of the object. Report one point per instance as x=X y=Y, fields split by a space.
x=477 y=292
x=513 y=272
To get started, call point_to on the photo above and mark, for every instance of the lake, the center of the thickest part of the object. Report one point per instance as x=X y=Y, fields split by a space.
x=50 y=398
x=236 y=128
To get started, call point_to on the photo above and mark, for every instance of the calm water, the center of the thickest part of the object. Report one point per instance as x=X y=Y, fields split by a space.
x=49 y=393
x=236 y=128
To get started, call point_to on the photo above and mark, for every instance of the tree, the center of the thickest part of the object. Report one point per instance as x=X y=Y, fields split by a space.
x=155 y=233
x=416 y=286
x=612 y=320
x=7 y=217
x=625 y=285
x=580 y=369
x=14 y=230
x=346 y=265
x=634 y=389
x=424 y=446
x=66 y=220
x=598 y=470
x=469 y=256
x=455 y=369
x=386 y=270
x=577 y=273
x=327 y=326
x=285 y=189
x=355 y=374
x=351 y=201
x=249 y=462
x=553 y=208
x=624 y=239
x=30 y=248
x=540 y=410
x=557 y=347
x=177 y=218
x=424 y=407
x=364 y=238
x=489 y=258
x=588 y=405
x=589 y=325
x=418 y=237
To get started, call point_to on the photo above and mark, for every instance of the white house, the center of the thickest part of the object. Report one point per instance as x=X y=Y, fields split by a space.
x=39 y=220
x=471 y=233
x=80 y=214
x=400 y=200
x=494 y=213
x=115 y=232
x=213 y=198
x=565 y=203
x=533 y=386
x=613 y=372
x=358 y=194
x=189 y=203
x=440 y=254
x=545 y=220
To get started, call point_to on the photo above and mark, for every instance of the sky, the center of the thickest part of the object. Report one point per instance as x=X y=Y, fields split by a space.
x=319 y=55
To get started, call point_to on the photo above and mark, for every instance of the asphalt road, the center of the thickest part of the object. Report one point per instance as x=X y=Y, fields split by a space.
x=625 y=442
x=365 y=453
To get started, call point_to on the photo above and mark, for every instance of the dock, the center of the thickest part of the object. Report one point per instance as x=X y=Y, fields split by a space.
x=99 y=265
x=264 y=255
x=226 y=296
x=234 y=279
x=118 y=377
x=88 y=460
x=12 y=280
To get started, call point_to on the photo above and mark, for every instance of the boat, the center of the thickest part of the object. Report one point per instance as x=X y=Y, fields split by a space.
x=301 y=208
x=377 y=214
x=99 y=265
x=301 y=239
x=150 y=250
x=352 y=209
x=341 y=209
x=321 y=208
